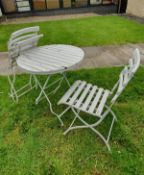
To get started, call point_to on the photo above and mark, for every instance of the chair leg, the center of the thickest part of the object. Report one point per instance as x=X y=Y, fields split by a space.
x=13 y=93
x=70 y=127
x=110 y=130
x=112 y=123
x=61 y=115
x=92 y=127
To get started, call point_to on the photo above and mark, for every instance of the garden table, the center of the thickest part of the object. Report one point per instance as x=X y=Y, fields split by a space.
x=49 y=60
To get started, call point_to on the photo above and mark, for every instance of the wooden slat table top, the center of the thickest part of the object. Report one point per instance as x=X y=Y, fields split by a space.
x=50 y=59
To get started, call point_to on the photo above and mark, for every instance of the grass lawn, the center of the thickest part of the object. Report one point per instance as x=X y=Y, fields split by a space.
x=32 y=143
x=100 y=30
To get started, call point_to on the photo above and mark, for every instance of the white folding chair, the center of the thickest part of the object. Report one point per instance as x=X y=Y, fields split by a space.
x=88 y=98
x=19 y=42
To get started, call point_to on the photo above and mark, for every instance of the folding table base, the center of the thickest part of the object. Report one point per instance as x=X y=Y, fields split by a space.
x=45 y=86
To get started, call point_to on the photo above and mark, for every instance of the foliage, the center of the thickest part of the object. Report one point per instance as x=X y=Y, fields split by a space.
x=100 y=30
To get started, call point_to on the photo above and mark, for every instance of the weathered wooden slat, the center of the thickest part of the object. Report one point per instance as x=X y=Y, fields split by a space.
x=89 y=98
x=77 y=93
x=24 y=31
x=83 y=96
x=69 y=92
x=96 y=100
x=51 y=58
x=102 y=103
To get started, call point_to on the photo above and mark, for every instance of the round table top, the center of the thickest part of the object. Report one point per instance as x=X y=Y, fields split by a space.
x=50 y=59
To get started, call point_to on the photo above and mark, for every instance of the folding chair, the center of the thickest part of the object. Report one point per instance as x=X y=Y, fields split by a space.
x=88 y=98
x=19 y=42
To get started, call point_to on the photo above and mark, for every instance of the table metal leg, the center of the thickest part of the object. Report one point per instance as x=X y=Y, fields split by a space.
x=45 y=86
x=41 y=93
x=64 y=75
x=47 y=98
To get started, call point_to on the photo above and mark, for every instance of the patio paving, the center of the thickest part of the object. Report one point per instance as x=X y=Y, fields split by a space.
x=30 y=19
x=35 y=19
x=95 y=56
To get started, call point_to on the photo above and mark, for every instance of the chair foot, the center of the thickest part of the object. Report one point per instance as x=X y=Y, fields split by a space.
x=62 y=124
x=108 y=147
x=68 y=130
x=36 y=102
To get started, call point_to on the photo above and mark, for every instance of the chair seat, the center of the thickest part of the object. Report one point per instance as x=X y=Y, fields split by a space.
x=86 y=97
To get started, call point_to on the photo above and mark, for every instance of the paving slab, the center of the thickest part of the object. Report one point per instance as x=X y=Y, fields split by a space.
x=95 y=56
x=109 y=56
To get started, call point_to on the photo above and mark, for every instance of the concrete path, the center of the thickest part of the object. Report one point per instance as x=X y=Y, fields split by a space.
x=35 y=19
x=106 y=56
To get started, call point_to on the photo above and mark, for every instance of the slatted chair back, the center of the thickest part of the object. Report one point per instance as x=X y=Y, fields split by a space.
x=23 y=40
x=127 y=74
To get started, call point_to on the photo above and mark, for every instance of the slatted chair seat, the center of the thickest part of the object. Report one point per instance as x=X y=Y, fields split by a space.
x=86 y=97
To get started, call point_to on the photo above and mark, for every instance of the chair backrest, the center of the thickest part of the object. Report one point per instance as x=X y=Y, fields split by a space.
x=22 y=40
x=127 y=74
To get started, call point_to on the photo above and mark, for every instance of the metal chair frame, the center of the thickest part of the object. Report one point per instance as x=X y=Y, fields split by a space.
x=76 y=96
x=19 y=42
